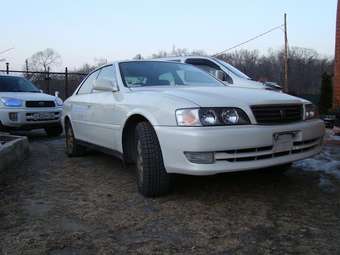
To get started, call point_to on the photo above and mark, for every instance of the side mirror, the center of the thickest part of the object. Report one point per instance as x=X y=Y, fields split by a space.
x=56 y=93
x=105 y=85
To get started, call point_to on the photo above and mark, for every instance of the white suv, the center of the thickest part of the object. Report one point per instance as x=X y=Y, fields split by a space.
x=169 y=117
x=24 y=107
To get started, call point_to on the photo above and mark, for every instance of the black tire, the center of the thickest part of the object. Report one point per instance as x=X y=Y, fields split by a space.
x=152 y=178
x=72 y=147
x=54 y=131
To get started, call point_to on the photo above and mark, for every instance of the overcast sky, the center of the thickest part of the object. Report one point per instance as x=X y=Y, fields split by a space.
x=81 y=31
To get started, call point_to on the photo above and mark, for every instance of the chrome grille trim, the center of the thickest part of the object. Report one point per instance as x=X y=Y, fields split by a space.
x=265 y=152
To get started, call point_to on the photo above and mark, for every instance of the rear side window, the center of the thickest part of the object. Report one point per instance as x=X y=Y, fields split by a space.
x=86 y=87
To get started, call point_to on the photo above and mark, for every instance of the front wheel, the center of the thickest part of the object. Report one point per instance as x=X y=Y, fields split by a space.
x=54 y=130
x=73 y=149
x=152 y=178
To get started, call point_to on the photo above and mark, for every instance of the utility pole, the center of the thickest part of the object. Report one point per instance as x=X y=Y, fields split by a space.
x=285 y=85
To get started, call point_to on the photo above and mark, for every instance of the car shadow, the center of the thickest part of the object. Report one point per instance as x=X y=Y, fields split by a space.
x=36 y=135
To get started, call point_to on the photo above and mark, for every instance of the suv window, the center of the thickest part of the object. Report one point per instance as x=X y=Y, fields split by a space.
x=209 y=67
x=86 y=87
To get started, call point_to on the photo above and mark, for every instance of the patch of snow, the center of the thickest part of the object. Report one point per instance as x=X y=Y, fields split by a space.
x=326 y=162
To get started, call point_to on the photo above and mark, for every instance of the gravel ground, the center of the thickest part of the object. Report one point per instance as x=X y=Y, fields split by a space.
x=56 y=205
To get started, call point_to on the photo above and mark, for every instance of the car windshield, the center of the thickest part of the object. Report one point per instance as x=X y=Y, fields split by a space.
x=157 y=73
x=16 y=84
x=233 y=69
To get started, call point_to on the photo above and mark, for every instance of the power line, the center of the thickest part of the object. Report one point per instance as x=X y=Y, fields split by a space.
x=249 y=40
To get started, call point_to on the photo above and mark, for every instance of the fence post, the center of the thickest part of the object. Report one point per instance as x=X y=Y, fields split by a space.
x=26 y=62
x=48 y=80
x=66 y=83
x=7 y=68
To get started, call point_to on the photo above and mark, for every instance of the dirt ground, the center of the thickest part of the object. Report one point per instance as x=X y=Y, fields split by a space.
x=52 y=204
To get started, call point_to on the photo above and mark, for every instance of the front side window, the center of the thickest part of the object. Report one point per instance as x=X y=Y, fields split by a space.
x=107 y=73
x=156 y=73
x=16 y=84
x=86 y=87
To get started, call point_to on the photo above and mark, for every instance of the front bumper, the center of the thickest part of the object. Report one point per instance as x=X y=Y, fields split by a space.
x=25 y=119
x=236 y=148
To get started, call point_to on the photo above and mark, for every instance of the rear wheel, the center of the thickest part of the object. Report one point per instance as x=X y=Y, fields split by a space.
x=54 y=130
x=73 y=149
x=152 y=178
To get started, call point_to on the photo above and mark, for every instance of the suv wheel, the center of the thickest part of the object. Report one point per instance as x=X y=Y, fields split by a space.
x=54 y=131
x=152 y=178
x=73 y=149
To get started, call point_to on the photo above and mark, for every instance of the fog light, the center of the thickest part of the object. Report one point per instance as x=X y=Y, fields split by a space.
x=200 y=157
x=13 y=116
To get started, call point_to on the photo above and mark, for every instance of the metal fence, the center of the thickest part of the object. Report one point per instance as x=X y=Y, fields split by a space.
x=65 y=83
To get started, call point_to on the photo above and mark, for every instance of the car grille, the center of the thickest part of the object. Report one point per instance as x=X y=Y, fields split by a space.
x=40 y=104
x=277 y=114
x=266 y=152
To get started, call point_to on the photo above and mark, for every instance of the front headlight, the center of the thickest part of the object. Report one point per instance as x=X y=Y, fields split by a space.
x=311 y=111
x=11 y=102
x=215 y=116
x=59 y=102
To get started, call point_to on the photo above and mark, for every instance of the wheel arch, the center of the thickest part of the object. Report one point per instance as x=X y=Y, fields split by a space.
x=129 y=137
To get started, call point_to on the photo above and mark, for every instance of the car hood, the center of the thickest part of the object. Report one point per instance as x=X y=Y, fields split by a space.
x=224 y=96
x=28 y=96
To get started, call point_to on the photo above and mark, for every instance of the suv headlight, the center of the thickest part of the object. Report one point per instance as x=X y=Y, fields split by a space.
x=11 y=102
x=59 y=102
x=311 y=111
x=214 y=116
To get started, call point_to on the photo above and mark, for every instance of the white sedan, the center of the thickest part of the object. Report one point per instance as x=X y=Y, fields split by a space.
x=169 y=117
x=24 y=107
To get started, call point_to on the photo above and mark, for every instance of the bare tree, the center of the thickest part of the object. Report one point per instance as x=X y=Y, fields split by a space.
x=44 y=60
x=305 y=68
x=138 y=57
x=178 y=52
